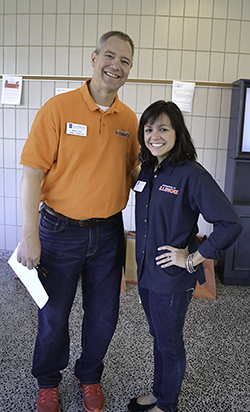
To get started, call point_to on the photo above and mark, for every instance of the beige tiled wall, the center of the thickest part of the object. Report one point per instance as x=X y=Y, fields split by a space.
x=190 y=40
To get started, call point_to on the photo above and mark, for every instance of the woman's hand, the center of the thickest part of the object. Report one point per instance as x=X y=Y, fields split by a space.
x=171 y=256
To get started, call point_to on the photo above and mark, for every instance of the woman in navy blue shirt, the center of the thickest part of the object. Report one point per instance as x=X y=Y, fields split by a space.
x=172 y=190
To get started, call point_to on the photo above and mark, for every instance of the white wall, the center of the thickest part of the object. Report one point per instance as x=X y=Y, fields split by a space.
x=189 y=40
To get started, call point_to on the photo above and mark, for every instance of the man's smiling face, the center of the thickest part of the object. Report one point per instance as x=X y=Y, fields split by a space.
x=112 y=64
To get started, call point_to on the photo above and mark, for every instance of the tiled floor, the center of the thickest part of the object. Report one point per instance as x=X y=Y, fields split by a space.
x=217 y=336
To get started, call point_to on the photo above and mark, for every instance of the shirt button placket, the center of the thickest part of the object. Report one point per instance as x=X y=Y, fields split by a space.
x=146 y=229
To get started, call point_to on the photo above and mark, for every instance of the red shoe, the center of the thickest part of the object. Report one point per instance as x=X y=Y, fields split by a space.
x=48 y=400
x=93 y=399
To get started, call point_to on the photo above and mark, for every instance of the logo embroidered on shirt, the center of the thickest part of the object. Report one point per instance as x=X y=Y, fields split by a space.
x=169 y=189
x=121 y=133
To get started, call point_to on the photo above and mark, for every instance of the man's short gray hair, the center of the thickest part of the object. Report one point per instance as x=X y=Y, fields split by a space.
x=120 y=35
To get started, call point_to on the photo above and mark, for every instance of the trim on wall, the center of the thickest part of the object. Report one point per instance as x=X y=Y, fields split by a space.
x=136 y=81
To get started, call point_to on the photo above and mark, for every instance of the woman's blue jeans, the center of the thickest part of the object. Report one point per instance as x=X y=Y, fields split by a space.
x=68 y=252
x=166 y=316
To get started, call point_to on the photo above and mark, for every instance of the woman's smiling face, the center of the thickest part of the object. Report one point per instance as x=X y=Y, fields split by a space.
x=160 y=137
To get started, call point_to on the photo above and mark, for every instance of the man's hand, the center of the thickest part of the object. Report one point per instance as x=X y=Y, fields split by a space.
x=28 y=252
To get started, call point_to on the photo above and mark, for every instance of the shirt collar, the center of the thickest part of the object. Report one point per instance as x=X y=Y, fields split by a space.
x=115 y=107
x=166 y=167
x=149 y=170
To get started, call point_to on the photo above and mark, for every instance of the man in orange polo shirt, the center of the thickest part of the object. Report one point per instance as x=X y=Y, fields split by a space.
x=80 y=160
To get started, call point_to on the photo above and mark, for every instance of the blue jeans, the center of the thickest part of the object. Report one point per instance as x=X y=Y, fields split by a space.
x=68 y=252
x=166 y=316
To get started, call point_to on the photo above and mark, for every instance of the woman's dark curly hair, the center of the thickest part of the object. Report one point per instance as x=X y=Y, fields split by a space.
x=183 y=148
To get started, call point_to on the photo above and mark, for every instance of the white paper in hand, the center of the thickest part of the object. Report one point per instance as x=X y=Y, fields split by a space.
x=30 y=279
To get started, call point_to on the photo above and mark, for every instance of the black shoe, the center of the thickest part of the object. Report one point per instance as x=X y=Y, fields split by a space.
x=133 y=406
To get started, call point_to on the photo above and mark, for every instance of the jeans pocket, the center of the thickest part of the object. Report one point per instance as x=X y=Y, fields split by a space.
x=51 y=224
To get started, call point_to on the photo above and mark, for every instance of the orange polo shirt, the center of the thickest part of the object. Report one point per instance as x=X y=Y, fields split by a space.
x=86 y=176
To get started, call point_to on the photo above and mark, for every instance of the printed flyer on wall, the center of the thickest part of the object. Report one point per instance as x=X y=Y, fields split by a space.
x=11 y=89
x=182 y=95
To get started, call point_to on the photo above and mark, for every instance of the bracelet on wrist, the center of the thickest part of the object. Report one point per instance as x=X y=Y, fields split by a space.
x=189 y=263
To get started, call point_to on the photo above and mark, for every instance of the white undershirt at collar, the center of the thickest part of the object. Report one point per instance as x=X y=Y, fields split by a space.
x=104 y=108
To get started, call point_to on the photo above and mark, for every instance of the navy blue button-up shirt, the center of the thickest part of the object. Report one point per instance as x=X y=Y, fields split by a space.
x=168 y=205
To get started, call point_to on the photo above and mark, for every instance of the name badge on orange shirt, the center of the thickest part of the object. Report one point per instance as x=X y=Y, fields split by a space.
x=76 y=129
